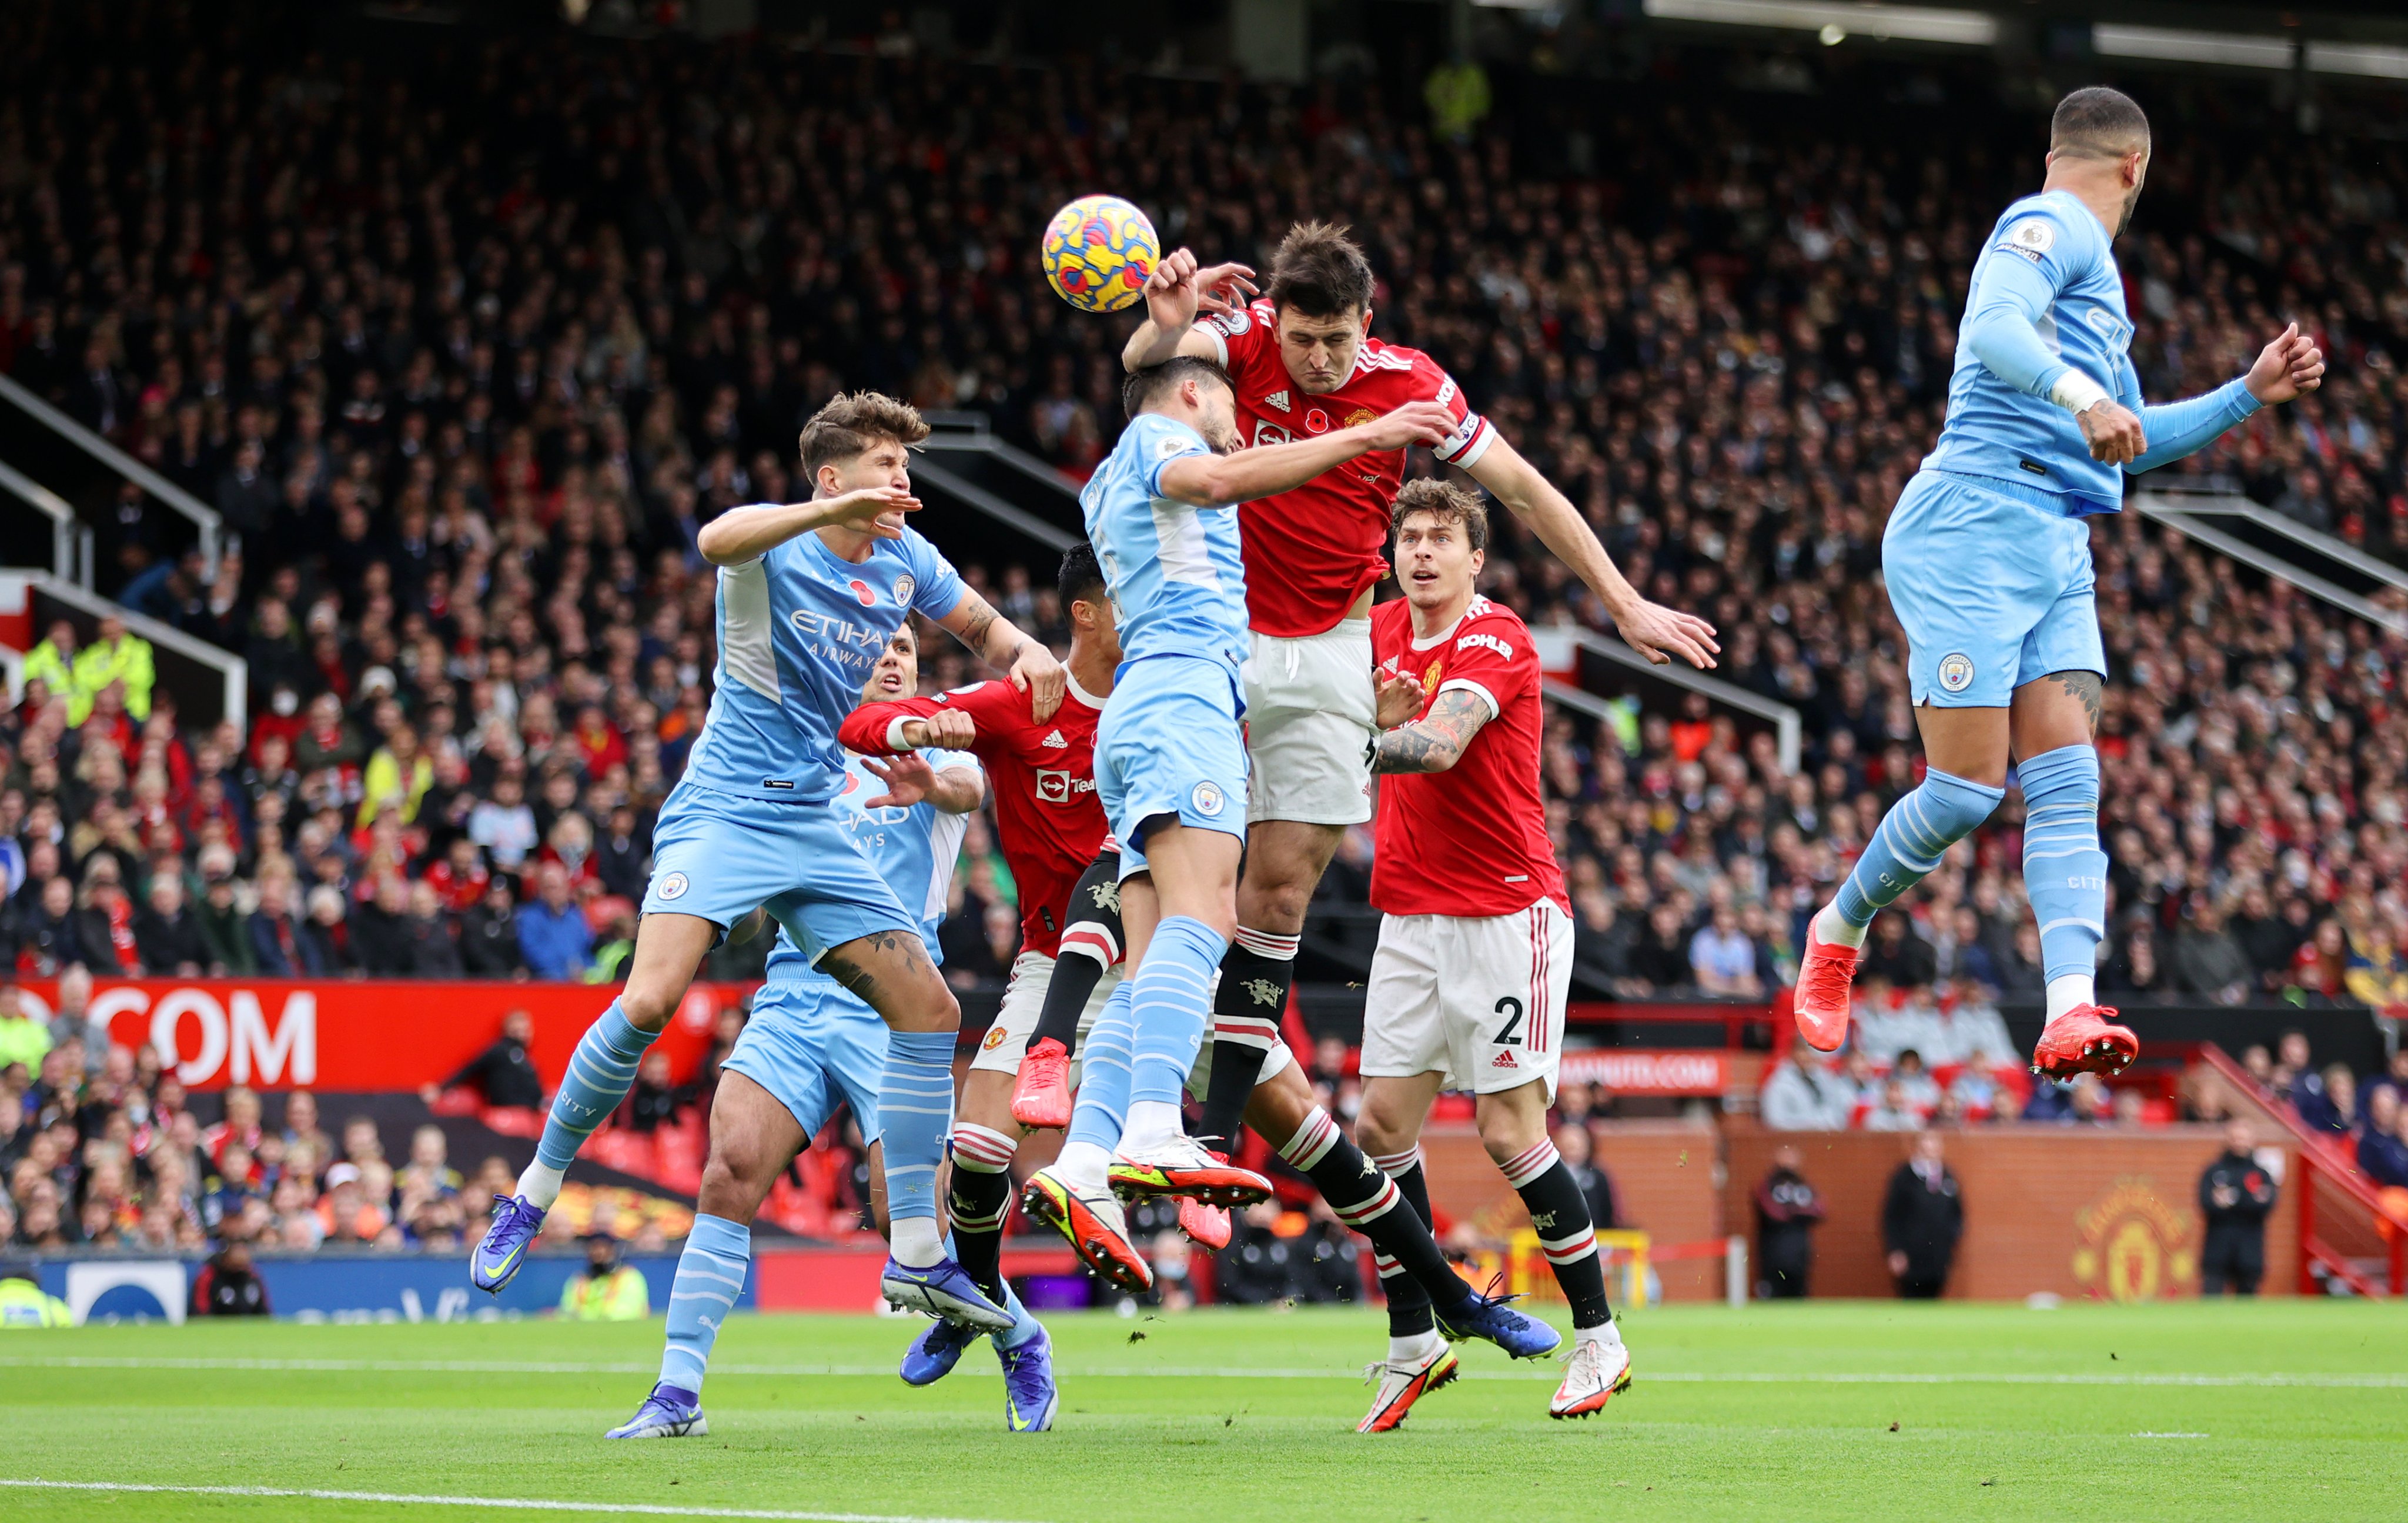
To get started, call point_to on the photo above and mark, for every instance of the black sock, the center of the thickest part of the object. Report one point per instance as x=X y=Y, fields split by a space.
x=1413 y=1272
x=979 y=1202
x=1246 y=1012
x=1091 y=942
x=1560 y=1214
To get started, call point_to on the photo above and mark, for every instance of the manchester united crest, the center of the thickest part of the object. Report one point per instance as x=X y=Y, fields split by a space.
x=2132 y=1244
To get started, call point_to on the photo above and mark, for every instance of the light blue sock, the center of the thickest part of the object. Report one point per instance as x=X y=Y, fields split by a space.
x=1173 y=1006
x=710 y=1277
x=915 y=1106
x=2065 y=872
x=1914 y=836
x=1023 y=1324
x=600 y=1072
x=1104 y=1072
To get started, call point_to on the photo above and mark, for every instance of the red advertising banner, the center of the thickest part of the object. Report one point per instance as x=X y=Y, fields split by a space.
x=342 y=1034
x=1641 y=1071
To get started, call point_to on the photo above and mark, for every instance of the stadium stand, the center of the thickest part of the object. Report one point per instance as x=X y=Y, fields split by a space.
x=464 y=349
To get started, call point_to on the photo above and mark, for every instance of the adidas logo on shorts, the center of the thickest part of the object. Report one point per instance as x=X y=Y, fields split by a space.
x=1503 y=1060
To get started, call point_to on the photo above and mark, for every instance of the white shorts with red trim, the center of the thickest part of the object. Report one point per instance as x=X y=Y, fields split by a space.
x=1478 y=999
x=1311 y=717
x=1007 y=1040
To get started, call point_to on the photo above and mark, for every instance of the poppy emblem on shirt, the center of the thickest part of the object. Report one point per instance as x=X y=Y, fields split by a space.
x=861 y=589
x=673 y=886
x=1316 y=422
x=1956 y=671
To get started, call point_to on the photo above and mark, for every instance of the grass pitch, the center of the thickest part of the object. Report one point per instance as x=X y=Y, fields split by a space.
x=1826 y=1410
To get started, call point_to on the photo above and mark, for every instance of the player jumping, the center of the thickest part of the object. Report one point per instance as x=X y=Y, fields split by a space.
x=1475 y=953
x=1988 y=561
x=1170 y=768
x=1304 y=364
x=809 y=594
x=1048 y=820
x=811 y=1045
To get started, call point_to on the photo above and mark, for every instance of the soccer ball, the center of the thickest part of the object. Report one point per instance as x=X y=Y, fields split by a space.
x=1098 y=251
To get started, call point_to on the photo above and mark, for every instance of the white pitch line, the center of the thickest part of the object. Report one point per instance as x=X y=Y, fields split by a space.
x=1176 y=1372
x=521 y=1504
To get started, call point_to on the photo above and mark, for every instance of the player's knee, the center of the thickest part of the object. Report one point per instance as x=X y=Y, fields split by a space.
x=728 y=1188
x=648 y=1002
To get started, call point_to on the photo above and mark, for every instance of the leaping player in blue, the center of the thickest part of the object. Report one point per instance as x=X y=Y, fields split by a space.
x=809 y=596
x=1171 y=771
x=811 y=1045
x=1987 y=558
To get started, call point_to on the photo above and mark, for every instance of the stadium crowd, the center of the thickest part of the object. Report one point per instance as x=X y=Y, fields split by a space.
x=464 y=356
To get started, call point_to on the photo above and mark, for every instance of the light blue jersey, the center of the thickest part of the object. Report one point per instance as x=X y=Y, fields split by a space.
x=1170 y=743
x=810 y=1042
x=1178 y=581
x=2045 y=298
x=798 y=630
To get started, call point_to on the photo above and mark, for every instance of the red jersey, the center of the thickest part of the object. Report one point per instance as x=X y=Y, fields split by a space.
x=1049 y=820
x=1471 y=840
x=1309 y=552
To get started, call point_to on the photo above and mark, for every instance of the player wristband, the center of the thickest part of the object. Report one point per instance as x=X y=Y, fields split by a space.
x=894 y=741
x=2075 y=391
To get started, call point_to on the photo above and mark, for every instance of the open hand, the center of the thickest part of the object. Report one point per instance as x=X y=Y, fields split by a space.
x=2114 y=432
x=1660 y=633
x=2290 y=365
x=1400 y=700
x=908 y=780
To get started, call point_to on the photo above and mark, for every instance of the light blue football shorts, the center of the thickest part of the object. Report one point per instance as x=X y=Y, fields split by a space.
x=721 y=856
x=812 y=1044
x=1171 y=743
x=1993 y=584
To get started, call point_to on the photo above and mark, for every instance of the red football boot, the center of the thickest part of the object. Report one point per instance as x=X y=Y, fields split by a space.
x=1824 y=974
x=2085 y=1039
x=1041 y=1095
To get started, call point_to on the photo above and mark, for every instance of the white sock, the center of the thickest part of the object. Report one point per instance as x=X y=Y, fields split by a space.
x=1151 y=1124
x=540 y=1185
x=1413 y=1348
x=2067 y=992
x=916 y=1244
x=1833 y=928
x=1605 y=1332
x=1082 y=1164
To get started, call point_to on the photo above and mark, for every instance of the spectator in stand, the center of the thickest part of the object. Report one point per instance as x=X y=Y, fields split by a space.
x=1922 y=1218
x=1803 y=1094
x=504 y=1075
x=348 y=1216
x=1787 y=1210
x=226 y=933
x=1722 y=960
x=2235 y=1195
x=652 y=1101
x=1896 y=1111
x=167 y=934
x=430 y=936
x=2209 y=965
x=330 y=936
x=553 y=933
x=53 y=937
x=23 y=1039
x=2332 y=1107
x=2382 y=1146
x=460 y=879
x=397 y=777
x=51 y=663
x=72 y=1016
x=379 y=930
x=489 y=936
x=2320 y=968
x=281 y=944
x=2133 y=972
x=2378 y=970
x=115 y=658
x=504 y=825
x=2294 y=1078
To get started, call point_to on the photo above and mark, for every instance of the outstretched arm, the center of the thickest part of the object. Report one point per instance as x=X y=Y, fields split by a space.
x=910 y=780
x=2290 y=365
x=1219 y=480
x=1435 y=742
x=746 y=534
x=1654 y=631
x=992 y=637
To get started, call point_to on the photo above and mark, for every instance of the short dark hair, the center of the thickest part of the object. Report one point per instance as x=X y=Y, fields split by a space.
x=2097 y=123
x=1449 y=502
x=852 y=421
x=1321 y=272
x=1080 y=578
x=1143 y=388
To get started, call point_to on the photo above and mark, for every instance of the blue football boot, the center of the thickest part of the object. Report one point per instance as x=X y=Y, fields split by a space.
x=1490 y=1317
x=943 y=1289
x=503 y=1253
x=1029 y=1398
x=667 y=1413
x=933 y=1355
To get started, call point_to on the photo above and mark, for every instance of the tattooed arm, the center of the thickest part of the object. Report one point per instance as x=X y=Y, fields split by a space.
x=1435 y=742
x=1030 y=666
